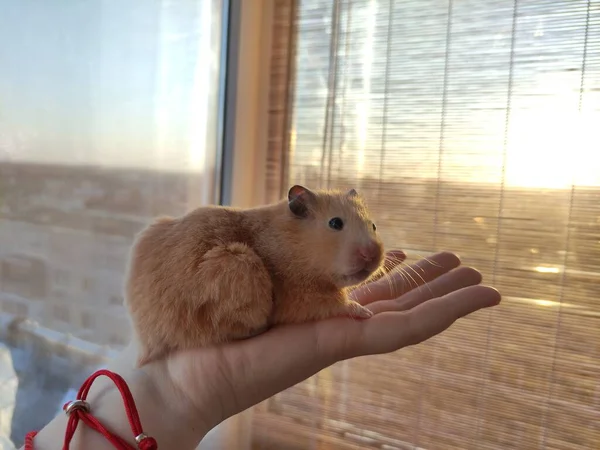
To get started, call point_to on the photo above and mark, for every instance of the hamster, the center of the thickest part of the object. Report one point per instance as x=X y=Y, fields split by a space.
x=218 y=274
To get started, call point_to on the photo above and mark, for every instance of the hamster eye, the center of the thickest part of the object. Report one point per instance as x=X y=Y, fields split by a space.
x=336 y=223
x=374 y=227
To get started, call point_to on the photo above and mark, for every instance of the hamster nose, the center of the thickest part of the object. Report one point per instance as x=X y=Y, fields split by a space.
x=368 y=252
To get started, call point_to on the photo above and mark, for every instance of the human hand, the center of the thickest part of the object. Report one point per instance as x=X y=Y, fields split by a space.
x=182 y=397
x=410 y=306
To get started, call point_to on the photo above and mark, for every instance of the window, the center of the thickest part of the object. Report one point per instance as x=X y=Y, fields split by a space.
x=473 y=127
x=109 y=113
x=469 y=126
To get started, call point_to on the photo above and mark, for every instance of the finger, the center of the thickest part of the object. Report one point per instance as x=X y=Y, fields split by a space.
x=454 y=280
x=404 y=279
x=390 y=331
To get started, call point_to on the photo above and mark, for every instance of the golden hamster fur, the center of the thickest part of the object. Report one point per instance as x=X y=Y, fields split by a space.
x=218 y=274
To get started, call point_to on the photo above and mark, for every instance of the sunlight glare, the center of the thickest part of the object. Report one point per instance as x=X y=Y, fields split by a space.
x=552 y=144
x=198 y=118
x=541 y=269
x=363 y=107
x=544 y=303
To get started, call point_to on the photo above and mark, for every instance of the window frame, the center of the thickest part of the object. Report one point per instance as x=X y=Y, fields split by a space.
x=242 y=138
x=243 y=130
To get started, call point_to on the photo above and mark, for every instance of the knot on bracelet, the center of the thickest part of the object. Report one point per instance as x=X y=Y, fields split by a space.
x=146 y=442
x=76 y=405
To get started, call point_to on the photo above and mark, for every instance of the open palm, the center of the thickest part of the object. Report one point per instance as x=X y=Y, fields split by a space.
x=410 y=306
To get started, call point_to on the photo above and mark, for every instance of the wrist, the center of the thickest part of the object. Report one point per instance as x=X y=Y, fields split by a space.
x=164 y=414
x=178 y=422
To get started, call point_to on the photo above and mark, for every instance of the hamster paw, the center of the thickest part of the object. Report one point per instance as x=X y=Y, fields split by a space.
x=357 y=311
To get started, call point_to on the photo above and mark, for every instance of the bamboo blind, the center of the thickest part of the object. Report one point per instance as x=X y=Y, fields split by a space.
x=281 y=83
x=469 y=126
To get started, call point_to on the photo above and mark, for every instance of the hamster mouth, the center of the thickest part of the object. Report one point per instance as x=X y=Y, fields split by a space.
x=357 y=277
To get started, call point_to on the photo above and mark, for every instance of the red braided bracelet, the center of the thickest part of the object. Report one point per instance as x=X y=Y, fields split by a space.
x=80 y=410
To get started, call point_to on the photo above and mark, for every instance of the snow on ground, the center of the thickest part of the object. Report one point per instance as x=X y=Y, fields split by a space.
x=37 y=376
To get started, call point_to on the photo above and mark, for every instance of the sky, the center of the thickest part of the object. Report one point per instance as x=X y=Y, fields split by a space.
x=108 y=82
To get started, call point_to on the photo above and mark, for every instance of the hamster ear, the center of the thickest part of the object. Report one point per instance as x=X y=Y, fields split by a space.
x=299 y=199
x=352 y=193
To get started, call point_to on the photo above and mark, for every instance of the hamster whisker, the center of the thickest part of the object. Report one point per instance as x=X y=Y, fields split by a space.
x=430 y=261
x=412 y=283
x=389 y=276
x=395 y=289
x=422 y=279
x=415 y=272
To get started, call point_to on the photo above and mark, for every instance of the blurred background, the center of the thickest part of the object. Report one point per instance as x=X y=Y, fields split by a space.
x=469 y=126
